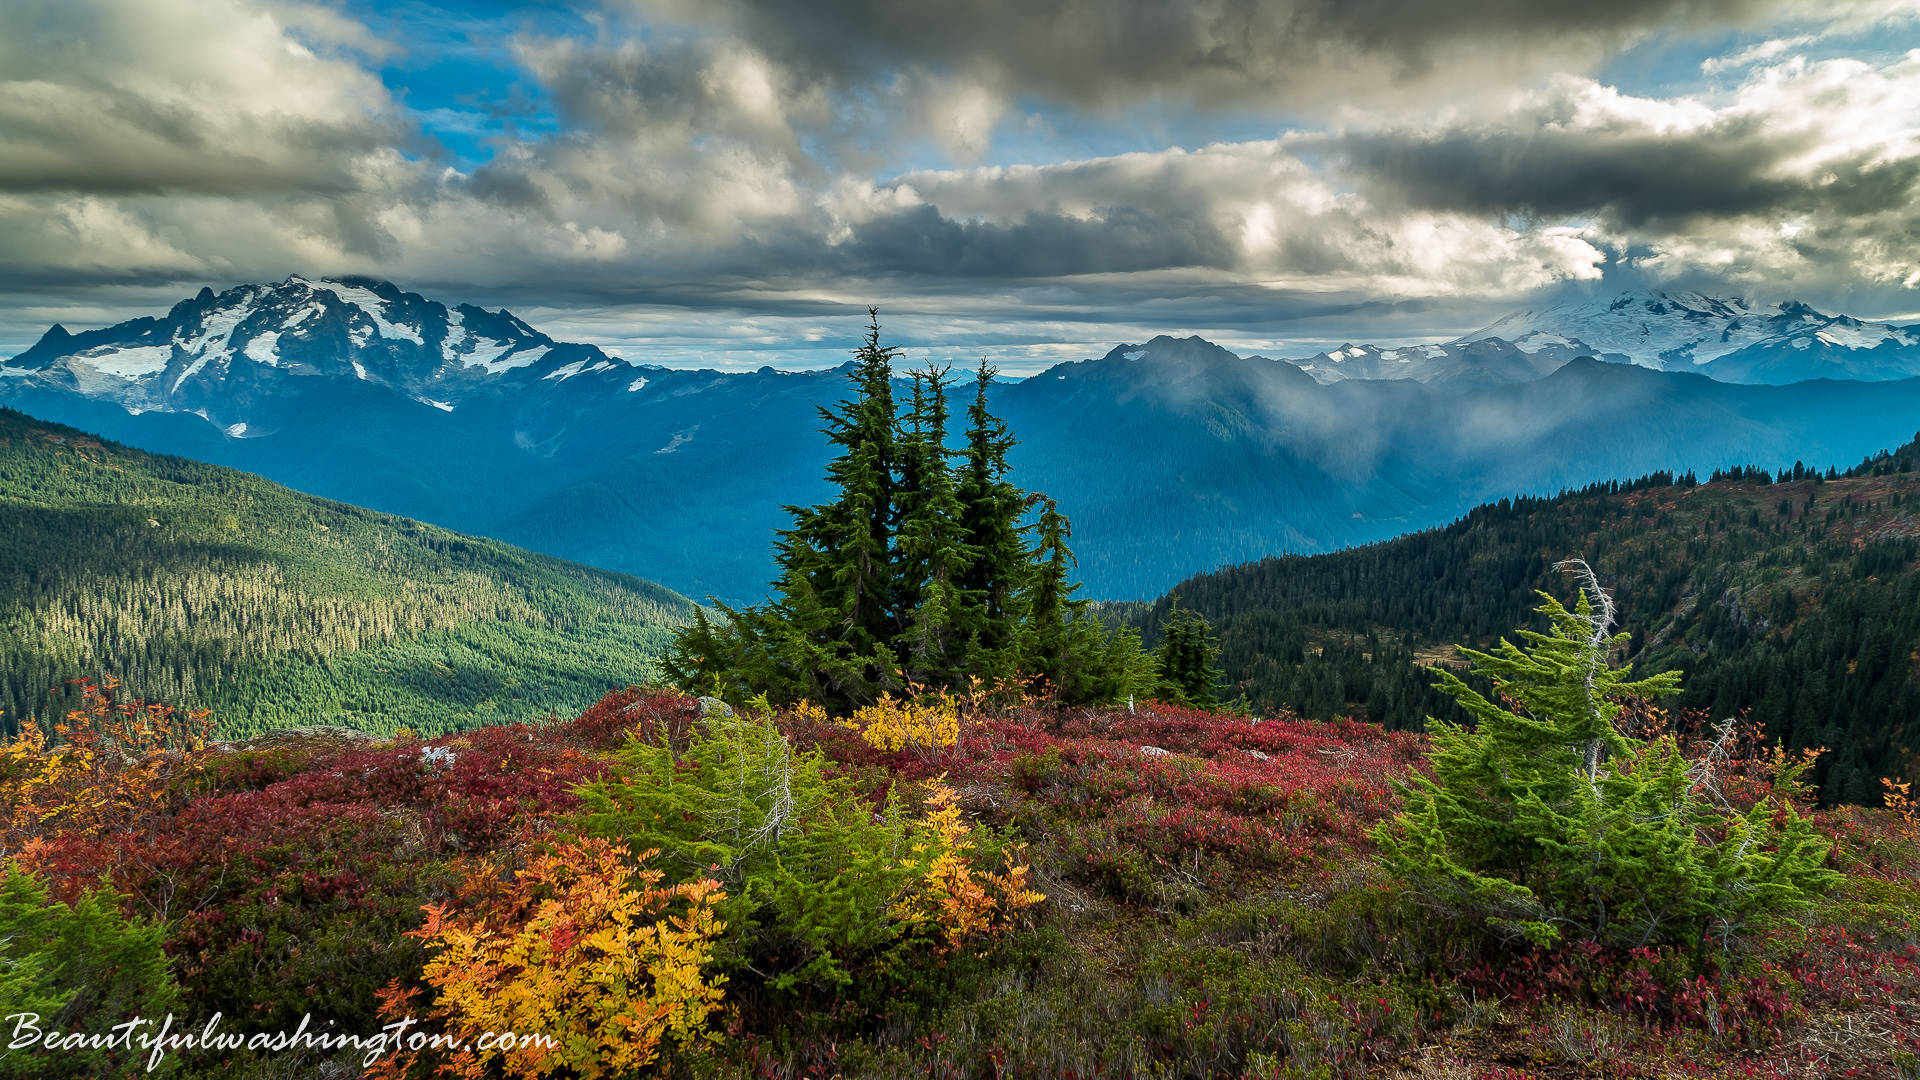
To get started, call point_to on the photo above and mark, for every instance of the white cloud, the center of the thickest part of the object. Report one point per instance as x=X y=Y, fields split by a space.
x=120 y=96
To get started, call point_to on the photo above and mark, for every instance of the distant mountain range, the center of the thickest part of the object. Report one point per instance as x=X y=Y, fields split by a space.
x=1171 y=456
x=1720 y=338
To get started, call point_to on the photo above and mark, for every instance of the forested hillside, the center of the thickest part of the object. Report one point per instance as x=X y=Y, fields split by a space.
x=1794 y=596
x=206 y=587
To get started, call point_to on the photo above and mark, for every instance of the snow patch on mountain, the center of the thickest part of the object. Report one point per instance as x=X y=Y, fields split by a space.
x=457 y=335
x=263 y=348
x=215 y=331
x=1852 y=334
x=500 y=356
x=302 y=315
x=129 y=363
x=191 y=369
x=578 y=367
x=374 y=307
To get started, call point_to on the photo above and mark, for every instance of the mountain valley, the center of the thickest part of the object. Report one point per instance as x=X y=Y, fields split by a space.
x=204 y=587
x=1794 y=599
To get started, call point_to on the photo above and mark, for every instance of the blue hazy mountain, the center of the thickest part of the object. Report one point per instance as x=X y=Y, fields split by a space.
x=1171 y=456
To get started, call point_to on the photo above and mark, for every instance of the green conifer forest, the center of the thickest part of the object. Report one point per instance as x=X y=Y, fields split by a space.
x=210 y=588
x=1792 y=595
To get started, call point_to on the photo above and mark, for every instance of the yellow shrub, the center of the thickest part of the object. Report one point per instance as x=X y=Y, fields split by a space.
x=584 y=950
x=906 y=725
x=109 y=766
x=950 y=897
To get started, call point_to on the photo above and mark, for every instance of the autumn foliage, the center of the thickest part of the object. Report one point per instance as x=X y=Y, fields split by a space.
x=925 y=727
x=582 y=947
x=947 y=895
x=110 y=766
x=1053 y=892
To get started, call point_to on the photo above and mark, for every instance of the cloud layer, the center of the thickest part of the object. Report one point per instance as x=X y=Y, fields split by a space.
x=720 y=164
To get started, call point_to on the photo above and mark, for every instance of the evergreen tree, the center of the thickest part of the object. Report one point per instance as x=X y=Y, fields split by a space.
x=916 y=575
x=86 y=965
x=931 y=554
x=1543 y=818
x=1047 y=596
x=842 y=549
x=1063 y=651
x=1187 y=661
x=828 y=638
x=991 y=508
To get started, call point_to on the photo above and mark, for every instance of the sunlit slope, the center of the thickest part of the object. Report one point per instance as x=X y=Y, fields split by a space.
x=201 y=585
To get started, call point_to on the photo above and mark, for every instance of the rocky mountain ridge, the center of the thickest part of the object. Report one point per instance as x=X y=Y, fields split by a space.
x=222 y=356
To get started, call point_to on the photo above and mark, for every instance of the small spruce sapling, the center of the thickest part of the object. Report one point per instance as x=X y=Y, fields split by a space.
x=1544 y=820
x=1187 y=661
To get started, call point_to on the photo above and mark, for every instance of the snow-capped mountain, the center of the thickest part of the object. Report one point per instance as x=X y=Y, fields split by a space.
x=1723 y=338
x=225 y=357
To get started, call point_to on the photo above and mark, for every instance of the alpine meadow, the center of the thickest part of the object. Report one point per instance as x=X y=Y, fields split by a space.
x=726 y=540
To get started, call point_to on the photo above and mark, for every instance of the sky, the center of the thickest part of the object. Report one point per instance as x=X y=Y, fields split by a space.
x=730 y=183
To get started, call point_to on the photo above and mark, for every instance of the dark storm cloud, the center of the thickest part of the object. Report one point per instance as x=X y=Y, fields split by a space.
x=1635 y=178
x=1107 y=52
x=1114 y=240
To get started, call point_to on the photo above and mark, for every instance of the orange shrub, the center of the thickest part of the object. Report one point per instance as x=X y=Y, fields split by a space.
x=111 y=765
x=581 y=948
x=948 y=896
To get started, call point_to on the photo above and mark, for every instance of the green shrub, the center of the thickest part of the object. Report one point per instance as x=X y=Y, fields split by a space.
x=826 y=898
x=1035 y=771
x=1545 y=820
x=76 y=969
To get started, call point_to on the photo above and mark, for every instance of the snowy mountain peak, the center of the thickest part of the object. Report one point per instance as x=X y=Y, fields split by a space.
x=1684 y=331
x=223 y=355
x=1726 y=338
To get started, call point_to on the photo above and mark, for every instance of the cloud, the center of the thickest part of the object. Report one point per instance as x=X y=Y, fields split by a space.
x=1834 y=137
x=1809 y=176
x=1105 y=54
x=743 y=162
x=117 y=97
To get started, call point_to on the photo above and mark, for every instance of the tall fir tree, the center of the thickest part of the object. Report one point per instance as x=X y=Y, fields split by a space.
x=917 y=575
x=991 y=508
x=828 y=637
x=931 y=553
x=1048 y=599
x=1064 y=652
